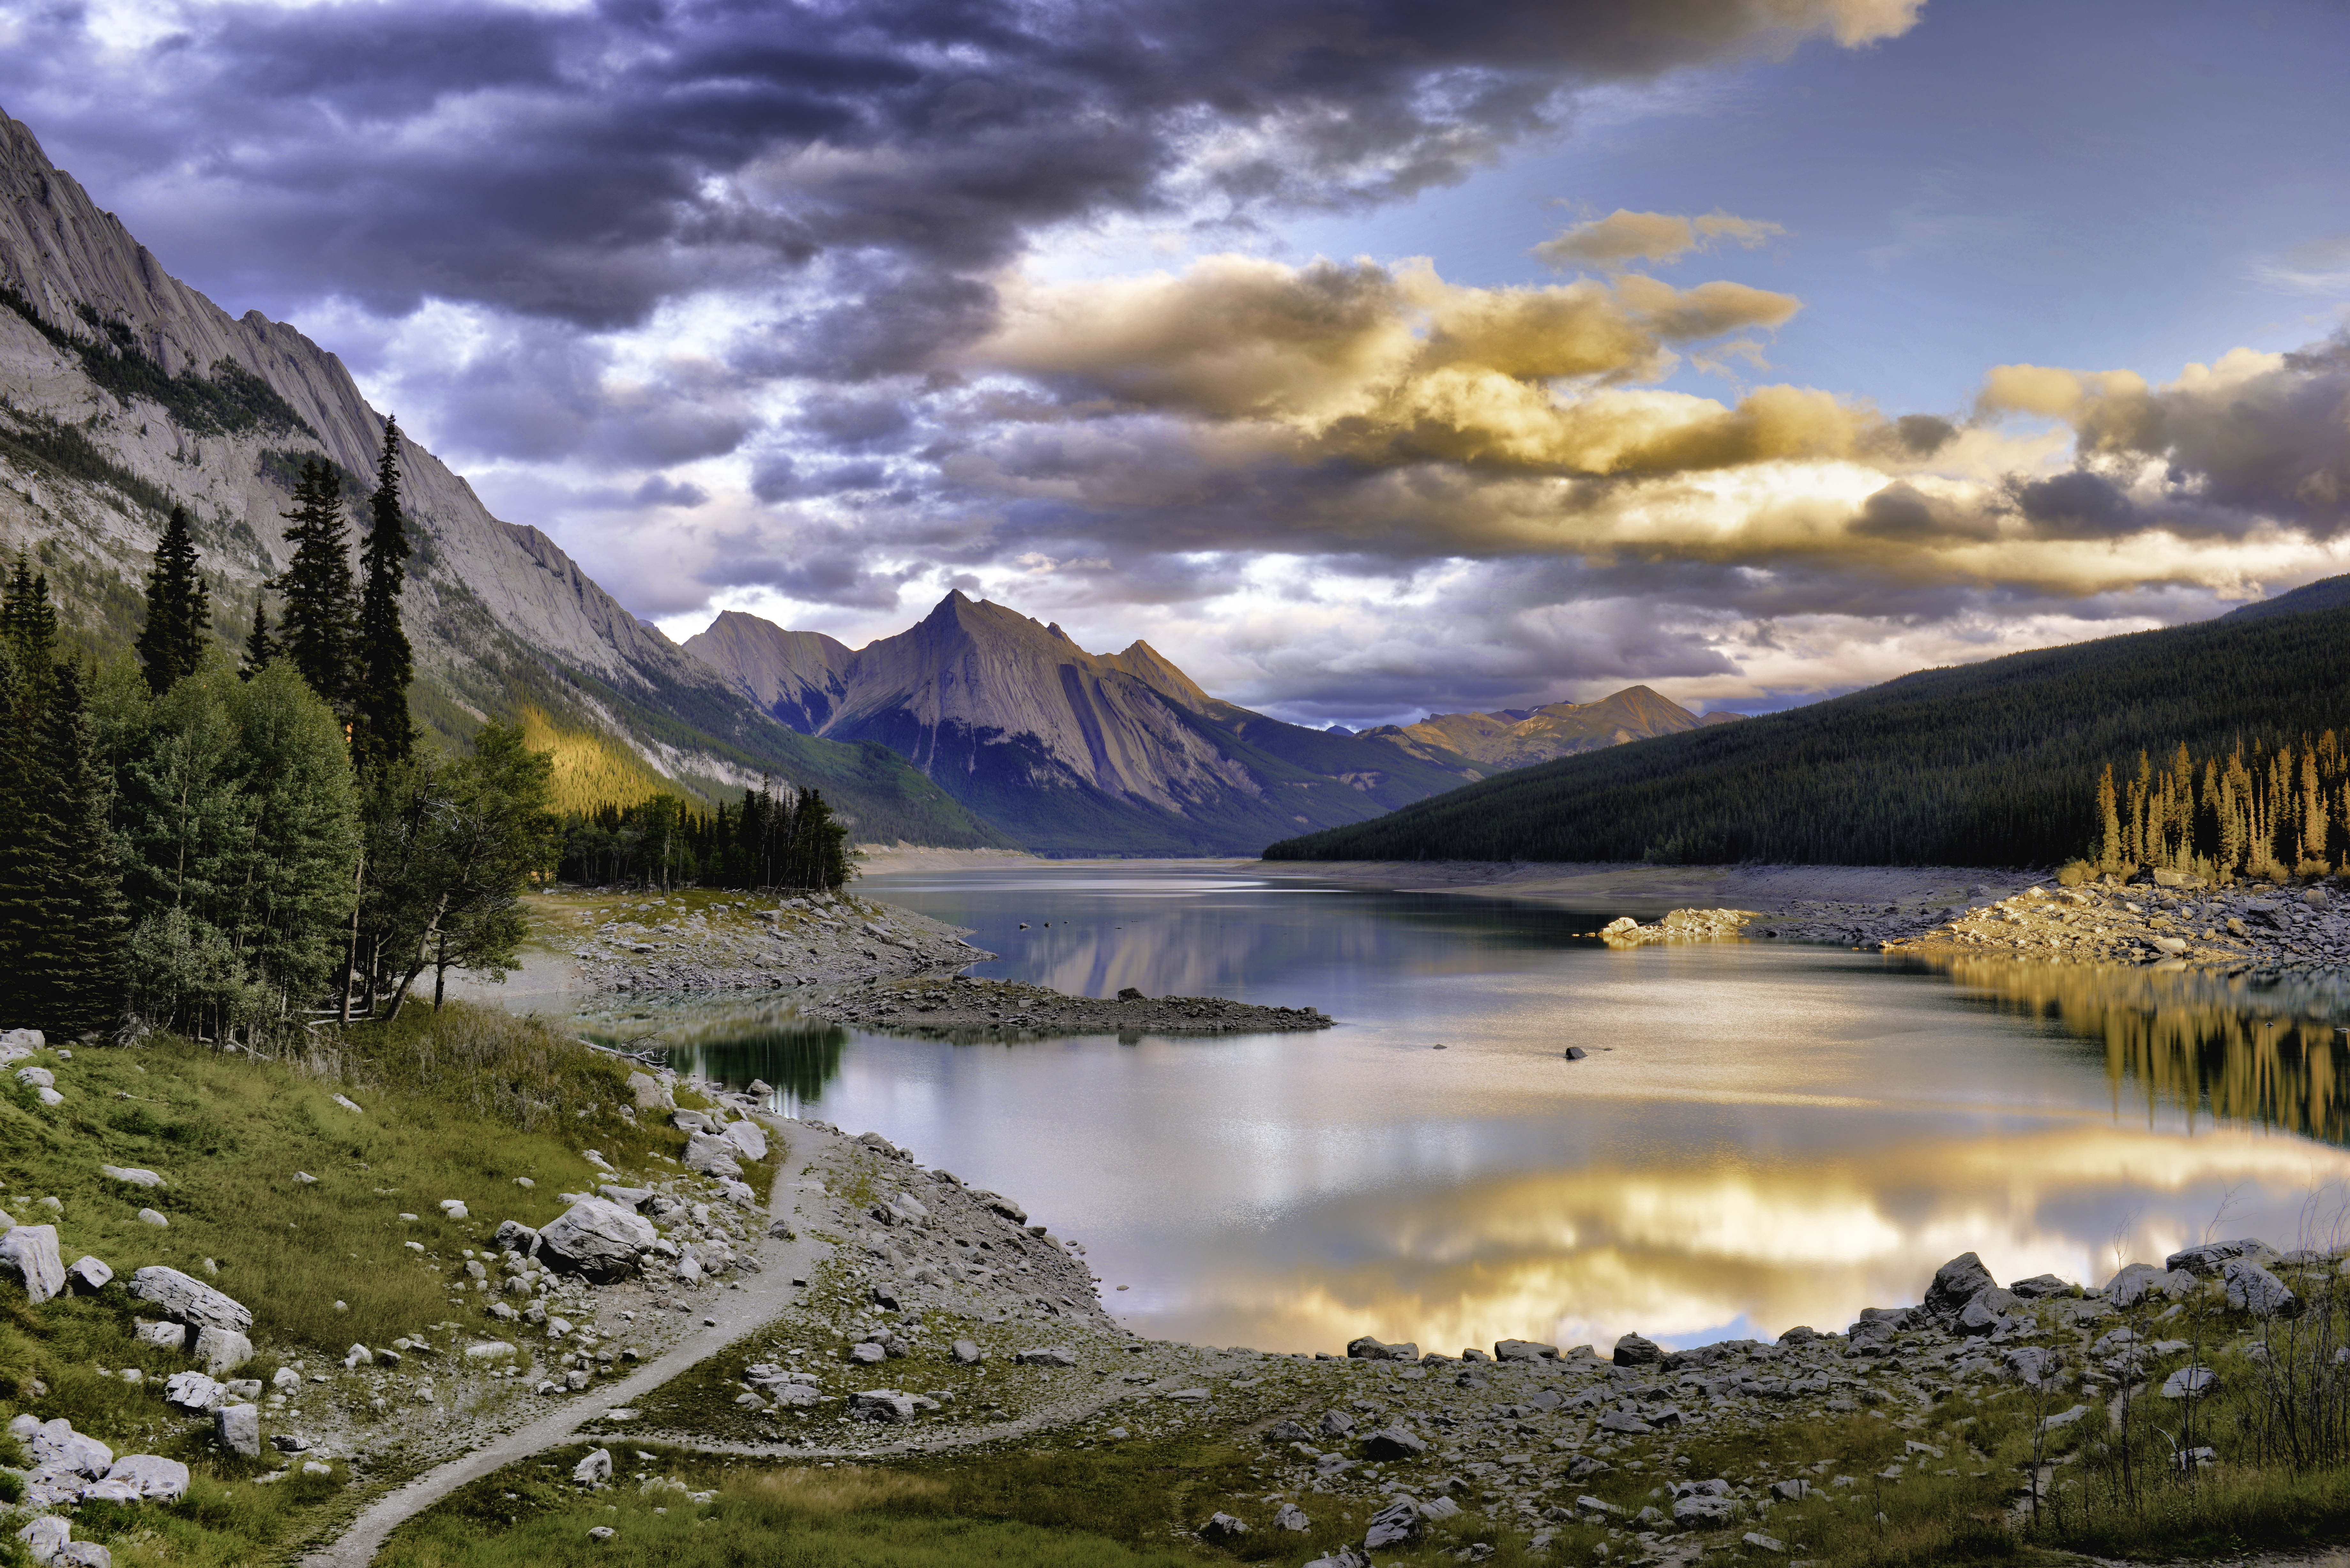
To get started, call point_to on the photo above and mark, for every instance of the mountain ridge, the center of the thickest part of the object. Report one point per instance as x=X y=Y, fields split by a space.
x=126 y=390
x=1522 y=737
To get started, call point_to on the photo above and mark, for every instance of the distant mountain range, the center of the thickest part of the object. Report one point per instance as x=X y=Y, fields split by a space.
x=124 y=392
x=1521 y=737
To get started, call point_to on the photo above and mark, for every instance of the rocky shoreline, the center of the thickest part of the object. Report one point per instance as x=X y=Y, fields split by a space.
x=740 y=941
x=962 y=1003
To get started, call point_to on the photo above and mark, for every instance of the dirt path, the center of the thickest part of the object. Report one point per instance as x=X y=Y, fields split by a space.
x=736 y=1313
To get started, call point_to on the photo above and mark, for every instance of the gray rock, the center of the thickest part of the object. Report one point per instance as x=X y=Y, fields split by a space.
x=1397 y=1524
x=163 y=1335
x=1394 y=1443
x=749 y=1139
x=37 y=1077
x=2253 y=1289
x=191 y=1393
x=2064 y=1419
x=222 y=1349
x=648 y=1093
x=1987 y=1312
x=1221 y=1527
x=86 y=1276
x=1524 y=1350
x=1794 y=1490
x=1761 y=1542
x=2130 y=1286
x=1287 y=1432
x=30 y=1253
x=1335 y=1424
x=1702 y=1510
x=1634 y=1351
x=711 y=1155
x=238 y=1429
x=2188 y=1382
x=1291 y=1516
x=154 y=1478
x=598 y=1241
x=514 y=1237
x=626 y=1197
x=1345 y=1557
x=2205 y=1261
x=190 y=1301
x=967 y=1354
x=1051 y=1356
x=885 y=1405
x=44 y=1536
x=131 y=1174
x=870 y=1354
x=600 y=1534
x=54 y=1444
x=1367 y=1348
x=83 y=1554
x=2038 y=1287
x=594 y=1469
x=1956 y=1284
x=155 y=1217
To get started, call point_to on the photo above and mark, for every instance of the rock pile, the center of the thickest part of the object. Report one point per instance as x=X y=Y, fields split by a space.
x=962 y=1004
x=1679 y=926
x=2168 y=917
x=763 y=943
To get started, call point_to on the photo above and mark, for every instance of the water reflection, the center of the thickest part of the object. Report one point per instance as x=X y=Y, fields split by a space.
x=2258 y=1049
x=1764 y=1136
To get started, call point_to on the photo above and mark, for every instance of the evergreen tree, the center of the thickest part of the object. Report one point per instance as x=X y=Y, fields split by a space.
x=260 y=646
x=179 y=610
x=29 y=622
x=321 y=619
x=72 y=967
x=381 y=730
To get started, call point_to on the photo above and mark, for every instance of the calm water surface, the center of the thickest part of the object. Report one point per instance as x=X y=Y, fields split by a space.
x=1761 y=1136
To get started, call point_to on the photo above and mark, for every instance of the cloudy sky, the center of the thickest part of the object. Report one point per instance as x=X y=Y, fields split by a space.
x=1367 y=357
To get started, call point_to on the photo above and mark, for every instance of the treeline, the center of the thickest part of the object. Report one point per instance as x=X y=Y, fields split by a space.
x=216 y=849
x=1994 y=763
x=2260 y=811
x=773 y=840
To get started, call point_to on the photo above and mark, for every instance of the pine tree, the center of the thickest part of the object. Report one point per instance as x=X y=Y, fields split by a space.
x=260 y=647
x=321 y=619
x=72 y=967
x=179 y=610
x=29 y=622
x=381 y=730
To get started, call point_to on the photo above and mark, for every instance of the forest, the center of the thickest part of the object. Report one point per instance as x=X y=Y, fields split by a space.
x=239 y=848
x=1997 y=763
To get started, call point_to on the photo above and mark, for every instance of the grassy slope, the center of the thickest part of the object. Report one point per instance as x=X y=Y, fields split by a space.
x=1991 y=763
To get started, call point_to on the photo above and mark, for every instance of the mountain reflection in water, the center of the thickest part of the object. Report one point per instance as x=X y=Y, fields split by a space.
x=1762 y=1135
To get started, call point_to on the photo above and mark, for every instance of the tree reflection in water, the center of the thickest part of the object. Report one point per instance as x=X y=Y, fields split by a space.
x=2261 y=1048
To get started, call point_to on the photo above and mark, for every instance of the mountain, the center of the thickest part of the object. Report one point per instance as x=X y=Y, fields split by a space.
x=123 y=390
x=1985 y=764
x=1071 y=752
x=2327 y=592
x=1521 y=737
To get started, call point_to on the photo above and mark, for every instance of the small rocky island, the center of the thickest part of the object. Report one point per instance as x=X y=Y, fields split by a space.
x=965 y=1003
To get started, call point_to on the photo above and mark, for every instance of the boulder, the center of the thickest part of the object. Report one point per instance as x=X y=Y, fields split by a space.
x=2253 y=1289
x=648 y=1093
x=1394 y=1443
x=1397 y=1524
x=1986 y=1312
x=86 y=1276
x=2131 y=1284
x=596 y=1240
x=1956 y=1284
x=966 y=1354
x=1052 y=1355
x=188 y=1301
x=37 y=1077
x=152 y=1477
x=2205 y=1261
x=222 y=1349
x=711 y=1155
x=1702 y=1511
x=238 y=1429
x=131 y=1174
x=1287 y=1432
x=54 y=1444
x=191 y=1393
x=748 y=1137
x=595 y=1468
x=162 y=1335
x=881 y=1405
x=44 y=1536
x=871 y=1354
x=155 y=1217
x=511 y=1236
x=1633 y=1351
x=1794 y=1490
x=30 y=1253
x=1291 y=1516
x=1334 y=1424
x=1524 y=1350
x=1221 y=1527
x=2038 y=1287
x=1370 y=1349
x=626 y=1197
x=2188 y=1382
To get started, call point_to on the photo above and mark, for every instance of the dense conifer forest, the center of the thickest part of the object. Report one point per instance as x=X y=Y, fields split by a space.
x=238 y=847
x=1997 y=764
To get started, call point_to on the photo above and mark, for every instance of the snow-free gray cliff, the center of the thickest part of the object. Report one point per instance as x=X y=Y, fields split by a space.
x=124 y=392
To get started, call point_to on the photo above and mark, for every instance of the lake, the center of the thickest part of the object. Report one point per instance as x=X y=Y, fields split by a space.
x=1761 y=1136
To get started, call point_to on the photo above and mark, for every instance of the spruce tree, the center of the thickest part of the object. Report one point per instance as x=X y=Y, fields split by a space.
x=179 y=610
x=381 y=730
x=29 y=622
x=260 y=647
x=321 y=619
x=72 y=965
